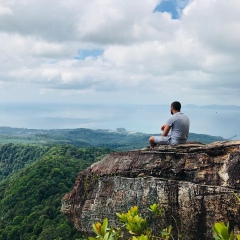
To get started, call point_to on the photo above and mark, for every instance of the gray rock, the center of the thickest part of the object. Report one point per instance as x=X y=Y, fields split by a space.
x=195 y=183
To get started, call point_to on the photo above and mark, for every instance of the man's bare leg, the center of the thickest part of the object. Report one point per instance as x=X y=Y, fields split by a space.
x=151 y=142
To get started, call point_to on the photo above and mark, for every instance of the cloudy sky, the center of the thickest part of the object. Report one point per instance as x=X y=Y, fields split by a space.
x=120 y=51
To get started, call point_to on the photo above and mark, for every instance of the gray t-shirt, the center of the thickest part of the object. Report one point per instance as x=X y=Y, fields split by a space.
x=179 y=124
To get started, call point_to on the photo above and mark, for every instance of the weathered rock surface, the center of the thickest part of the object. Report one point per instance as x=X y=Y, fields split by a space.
x=195 y=184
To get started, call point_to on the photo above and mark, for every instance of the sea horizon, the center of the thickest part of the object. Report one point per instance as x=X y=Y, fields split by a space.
x=209 y=119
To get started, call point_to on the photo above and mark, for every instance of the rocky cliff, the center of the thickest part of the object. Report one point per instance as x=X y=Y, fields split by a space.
x=195 y=184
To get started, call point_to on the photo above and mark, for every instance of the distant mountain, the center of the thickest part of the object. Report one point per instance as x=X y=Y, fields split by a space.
x=214 y=106
x=119 y=139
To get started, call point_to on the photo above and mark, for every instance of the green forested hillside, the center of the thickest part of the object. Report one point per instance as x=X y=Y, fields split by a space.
x=14 y=157
x=30 y=199
x=83 y=137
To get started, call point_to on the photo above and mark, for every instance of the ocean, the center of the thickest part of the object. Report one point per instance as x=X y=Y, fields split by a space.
x=212 y=120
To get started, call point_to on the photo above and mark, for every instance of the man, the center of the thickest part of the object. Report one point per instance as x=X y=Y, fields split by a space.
x=175 y=130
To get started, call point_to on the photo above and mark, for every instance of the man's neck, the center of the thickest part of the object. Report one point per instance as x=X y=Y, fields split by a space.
x=174 y=111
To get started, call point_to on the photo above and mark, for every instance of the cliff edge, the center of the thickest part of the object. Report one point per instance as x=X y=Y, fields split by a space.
x=195 y=183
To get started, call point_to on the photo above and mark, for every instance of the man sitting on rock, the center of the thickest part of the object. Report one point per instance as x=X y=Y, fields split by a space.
x=175 y=130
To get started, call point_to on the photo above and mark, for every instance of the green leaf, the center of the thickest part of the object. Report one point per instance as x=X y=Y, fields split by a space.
x=96 y=229
x=225 y=233
x=231 y=237
x=238 y=198
x=219 y=226
x=227 y=226
x=104 y=226
x=106 y=236
x=133 y=233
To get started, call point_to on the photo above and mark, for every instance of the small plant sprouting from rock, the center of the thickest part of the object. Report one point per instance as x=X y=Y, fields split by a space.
x=156 y=209
x=221 y=231
x=135 y=224
x=103 y=232
x=138 y=228
x=133 y=221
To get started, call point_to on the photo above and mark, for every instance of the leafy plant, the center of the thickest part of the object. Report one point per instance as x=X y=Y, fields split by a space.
x=132 y=220
x=221 y=231
x=142 y=237
x=156 y=209
x=135 y=224
x=167 y=232
x=103 y=232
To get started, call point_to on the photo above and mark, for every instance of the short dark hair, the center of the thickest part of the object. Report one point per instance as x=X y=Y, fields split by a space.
x=176 y=106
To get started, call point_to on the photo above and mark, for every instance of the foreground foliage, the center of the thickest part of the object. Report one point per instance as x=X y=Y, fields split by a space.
x=137 y=226
x=222 y=232
x=30 y=200
x=139 y=229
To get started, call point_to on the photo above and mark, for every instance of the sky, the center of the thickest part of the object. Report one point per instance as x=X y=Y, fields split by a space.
x=120 y=52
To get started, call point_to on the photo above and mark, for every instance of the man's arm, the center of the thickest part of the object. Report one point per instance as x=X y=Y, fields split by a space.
x=165 y=128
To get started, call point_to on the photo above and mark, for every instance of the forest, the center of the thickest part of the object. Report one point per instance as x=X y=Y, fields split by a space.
x=33 y=181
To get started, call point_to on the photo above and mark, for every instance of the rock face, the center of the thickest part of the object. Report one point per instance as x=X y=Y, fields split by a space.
x=195 y=184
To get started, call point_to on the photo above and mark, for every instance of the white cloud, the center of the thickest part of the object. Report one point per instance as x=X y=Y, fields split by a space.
x=4 y=10
x=194 y=58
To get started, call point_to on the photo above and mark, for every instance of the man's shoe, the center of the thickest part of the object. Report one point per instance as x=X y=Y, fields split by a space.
x=146 y=148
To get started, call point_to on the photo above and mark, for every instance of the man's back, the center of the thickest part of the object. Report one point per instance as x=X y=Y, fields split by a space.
x=175 y=130
x=179 y=124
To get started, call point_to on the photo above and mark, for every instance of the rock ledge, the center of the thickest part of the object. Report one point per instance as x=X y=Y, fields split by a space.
x=195 y=183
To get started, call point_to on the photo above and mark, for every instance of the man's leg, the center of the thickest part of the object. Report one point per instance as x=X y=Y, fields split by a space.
x=158 y=140
x=151 y=142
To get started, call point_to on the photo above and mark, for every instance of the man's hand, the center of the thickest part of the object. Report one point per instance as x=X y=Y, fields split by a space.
x=165 y=128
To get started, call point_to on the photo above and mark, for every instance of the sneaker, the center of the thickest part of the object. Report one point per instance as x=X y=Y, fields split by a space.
x=146 y=148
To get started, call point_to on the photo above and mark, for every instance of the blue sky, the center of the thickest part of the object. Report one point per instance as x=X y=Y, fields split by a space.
x=173 y=7
x=84 y=53
x=120 y=52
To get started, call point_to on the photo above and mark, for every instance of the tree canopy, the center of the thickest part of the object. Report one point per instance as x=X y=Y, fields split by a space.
x=30 y=199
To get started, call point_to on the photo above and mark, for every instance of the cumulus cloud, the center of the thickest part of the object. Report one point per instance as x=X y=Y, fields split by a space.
x=140 y=51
